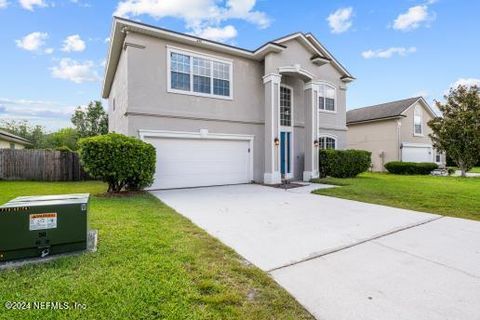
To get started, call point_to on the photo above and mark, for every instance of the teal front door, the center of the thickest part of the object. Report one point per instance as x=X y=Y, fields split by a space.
x=285 y=149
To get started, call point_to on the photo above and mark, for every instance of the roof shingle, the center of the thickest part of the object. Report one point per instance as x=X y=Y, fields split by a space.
x=380 y=111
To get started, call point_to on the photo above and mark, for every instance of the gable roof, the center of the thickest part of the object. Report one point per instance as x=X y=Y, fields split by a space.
x=382 y=111
x=7 y=136
x=121 y=25
x=319 y=51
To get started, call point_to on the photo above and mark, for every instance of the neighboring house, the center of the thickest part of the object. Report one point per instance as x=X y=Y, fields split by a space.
x=11 y=141
x=219 y=114
x=393 y=131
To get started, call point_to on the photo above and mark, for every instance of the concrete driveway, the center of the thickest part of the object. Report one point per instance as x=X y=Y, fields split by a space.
x=343 y=259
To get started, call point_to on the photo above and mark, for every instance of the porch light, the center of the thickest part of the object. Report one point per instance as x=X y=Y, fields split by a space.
x=315 y=143
x=276 y=141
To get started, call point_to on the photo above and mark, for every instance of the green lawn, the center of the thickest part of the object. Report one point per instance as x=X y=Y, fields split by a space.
x=450 y=196
x=151 y=264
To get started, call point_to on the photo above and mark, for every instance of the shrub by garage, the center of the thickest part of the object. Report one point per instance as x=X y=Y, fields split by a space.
x=410 y=168
x=343 y=163
x=125 y=163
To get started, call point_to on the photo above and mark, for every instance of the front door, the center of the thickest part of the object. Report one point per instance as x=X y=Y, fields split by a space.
x=285 y=154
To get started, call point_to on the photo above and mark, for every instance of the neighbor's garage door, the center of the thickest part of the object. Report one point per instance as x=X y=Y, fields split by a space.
x=417 y=153
x=186 y=162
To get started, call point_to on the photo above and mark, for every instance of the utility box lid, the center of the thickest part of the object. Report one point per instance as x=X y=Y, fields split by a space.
x=34 y=201
x=52 y=197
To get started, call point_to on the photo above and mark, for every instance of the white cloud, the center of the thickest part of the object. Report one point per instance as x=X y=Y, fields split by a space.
x=34 y=41
x=388 y=53
x=413 y=18
x=78 y=72
x=199 y=15
x=51 y=114
x=3 y=4
x=469 y=82
x=73 y=43
x=107 y=40
x=421 y=93
x=30 y=4
x=340 y=20
x=49 y=50
x=218 y=34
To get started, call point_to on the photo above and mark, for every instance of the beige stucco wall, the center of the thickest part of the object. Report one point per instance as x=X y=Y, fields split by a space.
x=6 y=145
x=376 y=137
x=118 y=98
x=140 y=91
x=407 y=131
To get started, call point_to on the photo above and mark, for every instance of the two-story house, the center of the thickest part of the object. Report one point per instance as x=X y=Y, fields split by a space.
x=219 y=114
x=394 y=131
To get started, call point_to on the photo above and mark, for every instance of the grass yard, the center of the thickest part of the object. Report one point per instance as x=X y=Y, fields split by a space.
x=449 y=196
x=151 y=264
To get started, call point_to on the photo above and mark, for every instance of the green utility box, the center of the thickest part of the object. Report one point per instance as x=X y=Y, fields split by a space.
x=39 y=226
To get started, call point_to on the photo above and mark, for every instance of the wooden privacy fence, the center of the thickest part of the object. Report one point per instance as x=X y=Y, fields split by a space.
x=42 y=165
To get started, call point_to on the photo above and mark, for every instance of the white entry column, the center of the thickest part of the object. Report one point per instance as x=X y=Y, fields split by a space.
x=311 y=131
x=271 y=83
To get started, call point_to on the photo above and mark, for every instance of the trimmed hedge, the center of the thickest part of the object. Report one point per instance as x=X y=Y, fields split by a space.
x=409 y=168
x=123 y=162
x=343 y=163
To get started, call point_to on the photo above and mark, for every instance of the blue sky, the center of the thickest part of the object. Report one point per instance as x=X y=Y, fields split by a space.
x=53 y=51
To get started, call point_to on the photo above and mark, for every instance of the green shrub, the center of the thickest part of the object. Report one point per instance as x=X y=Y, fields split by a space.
x=343 y=163
x=123 y=162
x=399 y=167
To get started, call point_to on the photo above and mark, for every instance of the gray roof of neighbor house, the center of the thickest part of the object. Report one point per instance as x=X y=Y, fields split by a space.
x=7 y=136
x=380 y=111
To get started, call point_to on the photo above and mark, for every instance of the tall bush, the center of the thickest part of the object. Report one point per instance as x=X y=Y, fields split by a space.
x=343 y=163
x=122 y=162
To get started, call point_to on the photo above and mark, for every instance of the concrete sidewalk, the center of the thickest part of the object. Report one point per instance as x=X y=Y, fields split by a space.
x=345 y=259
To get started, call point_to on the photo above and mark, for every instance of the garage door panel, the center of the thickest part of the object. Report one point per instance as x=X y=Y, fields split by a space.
x=412 y=153
x=200 y=162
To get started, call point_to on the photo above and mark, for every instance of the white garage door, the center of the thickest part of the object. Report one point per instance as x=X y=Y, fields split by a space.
x=187 y=162
x=417 y=153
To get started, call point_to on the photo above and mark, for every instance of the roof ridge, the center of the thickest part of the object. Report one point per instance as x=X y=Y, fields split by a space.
x=389 y=102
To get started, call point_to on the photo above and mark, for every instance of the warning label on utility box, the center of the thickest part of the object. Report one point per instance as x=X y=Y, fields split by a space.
x=42 y=221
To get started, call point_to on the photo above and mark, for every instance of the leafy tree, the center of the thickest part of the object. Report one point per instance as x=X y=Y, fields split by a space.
x=34 y=133
x=66 y=137
x=457 y=132
x=90 y=121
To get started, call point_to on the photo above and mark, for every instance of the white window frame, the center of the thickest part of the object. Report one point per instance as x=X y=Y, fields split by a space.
x=191 y=54
x=421 y=121
x=326 y=135
x=326 y=84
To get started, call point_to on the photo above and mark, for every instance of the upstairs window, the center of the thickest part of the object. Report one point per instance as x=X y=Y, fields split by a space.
x=327 y=142
x=195 y=74
x=326 y=100
x=285 y=106
x=180 y=69
x=417 y=121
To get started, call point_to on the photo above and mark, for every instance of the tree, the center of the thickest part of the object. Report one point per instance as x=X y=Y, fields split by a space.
x=33 y=133
x=66 y=137
x=90 y=121
x=457 y=132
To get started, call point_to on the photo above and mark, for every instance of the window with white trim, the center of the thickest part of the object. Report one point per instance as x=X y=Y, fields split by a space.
x=285 y=106
x=417 y=121
x=199 y=75
x=326 y=98
x=327 y=142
